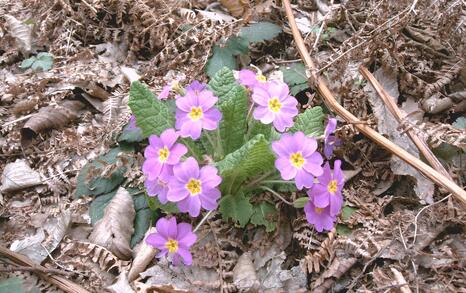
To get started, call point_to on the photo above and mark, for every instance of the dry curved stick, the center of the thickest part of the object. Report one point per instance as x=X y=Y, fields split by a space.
x=399 y=116
x=332 y=104
x=23 y=261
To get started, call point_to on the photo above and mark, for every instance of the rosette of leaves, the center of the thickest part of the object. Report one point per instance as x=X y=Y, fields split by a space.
x=246 y=156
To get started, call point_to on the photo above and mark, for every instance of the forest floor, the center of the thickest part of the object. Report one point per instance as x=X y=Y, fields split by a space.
x=65 y=72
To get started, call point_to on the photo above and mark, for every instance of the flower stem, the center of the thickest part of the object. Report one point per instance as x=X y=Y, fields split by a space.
x=187 y=144
x=276 y=194
x=259 y=179
x=212 y=142
x=277 y=181
x=203 y=220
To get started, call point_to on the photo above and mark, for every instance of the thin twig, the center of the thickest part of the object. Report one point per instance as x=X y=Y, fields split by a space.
x=276 y=194
x=33 y=269
x=203 y=220
x=332 y=104
x=396 y=112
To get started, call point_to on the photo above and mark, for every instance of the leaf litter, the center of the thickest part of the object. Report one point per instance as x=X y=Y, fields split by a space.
x=392 y=238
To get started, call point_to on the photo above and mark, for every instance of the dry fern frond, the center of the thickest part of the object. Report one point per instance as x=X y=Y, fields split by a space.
x=21 y=32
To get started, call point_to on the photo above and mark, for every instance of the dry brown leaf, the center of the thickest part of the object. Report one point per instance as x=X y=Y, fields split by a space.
x=21 y=32
x=144 y=256
x=244 y=274
x=53 y=116
x=121 y=285
x=237 y=8
x=114 y=230
x=19 y=175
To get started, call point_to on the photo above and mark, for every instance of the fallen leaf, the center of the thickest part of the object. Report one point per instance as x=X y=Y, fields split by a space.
x=114 y=230
x=244 y=274
x=144 y=255
x=388 y=125
x=21 y=32
x=50 y=117
x=19 y=175
x=237 y=8
x=37 y=247
x=121 y=285
x=130 y=73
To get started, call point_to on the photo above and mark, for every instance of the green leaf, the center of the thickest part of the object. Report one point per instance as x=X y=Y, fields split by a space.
x=223 y=84
x=311 y=122
x=141 y=225
x=250 y=160
x=152 y=114
x=265 y=214
x=347 y=211
x=260 y=128
x=296 y=89
x=234 y=121
x=131 y=134
x=343 y=230
x=43 y=61
x=15 y=285
x=98 y=205
x=103 y=174
x=299 y=203
x=236 y=207
x=194 y=148
x=238 y=45
x=27 y=62
x=221 y=57
x=294 y=74
x=460 y=123
x=260 y=31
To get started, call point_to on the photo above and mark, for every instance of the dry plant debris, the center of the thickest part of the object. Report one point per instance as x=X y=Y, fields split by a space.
x=83 y=231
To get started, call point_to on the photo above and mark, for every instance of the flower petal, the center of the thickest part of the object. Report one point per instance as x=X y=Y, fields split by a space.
x=176 y=152
x=303 y=179
x=209 y=178
x=167 y=227
x=185 y=255
x=186 y=237
x=169 y=137
x=207 y=100
x=211 y=119
x=156 y=240
x=287 y=171
x=263 y=114
x=209 y=199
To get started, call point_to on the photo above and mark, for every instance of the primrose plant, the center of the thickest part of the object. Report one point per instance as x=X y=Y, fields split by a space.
x=223 y=145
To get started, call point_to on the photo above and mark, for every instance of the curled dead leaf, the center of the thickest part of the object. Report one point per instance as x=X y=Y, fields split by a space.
x=144 y=255
x=237 y=8
x=19 y=175
x=114 y=230
x=244 y=274
x=53 y=116
x=21 y=32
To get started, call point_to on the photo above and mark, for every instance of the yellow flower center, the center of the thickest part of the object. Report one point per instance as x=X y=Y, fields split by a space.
x=332 y=186
x=195 y=114
x=171 y=245
x=274 y=105
x=318 y=210
x=261 y=78
x=163 y=154
x=194 y=186
x=297 y=160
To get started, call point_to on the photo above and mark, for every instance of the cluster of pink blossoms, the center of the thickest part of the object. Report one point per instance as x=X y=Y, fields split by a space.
x=185 y=183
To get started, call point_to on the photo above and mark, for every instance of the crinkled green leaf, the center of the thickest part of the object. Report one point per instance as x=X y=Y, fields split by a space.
x=223 y=84
x=153 y=116
x=131 y=134
x=260 y=31
x=294 y=73
x=234 y=121
x=253 y=158
x=96 y=209
x=311 y=122
x=221 y=57
x=343 y=230
x=299 y=203
x=296 y=89
x=154 y=204
x=103 y=174
x=260 y=128
x=237 y=208
x=238 y=45
x=265 y=214
x=194 y=147
x=141 y=225
x=347 y=211
x=43 y=61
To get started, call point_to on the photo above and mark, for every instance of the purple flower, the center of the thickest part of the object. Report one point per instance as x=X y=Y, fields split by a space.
x=195 y=111
x=196 y=86
x=327 y=192
x=297 y=158
x=172 y=85
x=319 y=217
x=159 y=186
x=192 y=188
x=173 y=239
x=161 y=154
x=132 y=123
x=275 y=105
x=330 y=141
x=250 y=79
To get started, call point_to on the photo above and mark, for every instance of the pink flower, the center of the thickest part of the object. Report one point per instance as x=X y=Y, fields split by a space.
x=173 y=239
x=298 y=159
x=250 y=79
x=319 y=217
x=330 y=141
x=274 y=104
x=195 y=111
x=192 y=187
x=159 y=187
x=161 y=154
x=327 y=192
x=196 y=86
